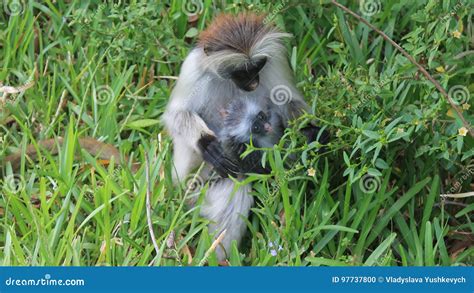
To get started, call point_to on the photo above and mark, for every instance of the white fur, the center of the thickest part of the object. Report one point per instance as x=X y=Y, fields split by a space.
x=226 y=208
x=242 y=129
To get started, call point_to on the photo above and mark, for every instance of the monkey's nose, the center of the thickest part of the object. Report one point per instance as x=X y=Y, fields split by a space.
x=268 y=128
x=253 y=84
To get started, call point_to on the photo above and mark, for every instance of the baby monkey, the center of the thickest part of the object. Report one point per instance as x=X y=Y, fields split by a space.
x=246 y=121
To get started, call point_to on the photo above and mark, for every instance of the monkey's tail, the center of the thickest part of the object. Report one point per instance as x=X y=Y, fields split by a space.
x=225 y=206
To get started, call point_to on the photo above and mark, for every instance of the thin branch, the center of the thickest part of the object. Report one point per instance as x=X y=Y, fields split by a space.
x=212 y=248
x=166 y=77
x=463 y=54
x=450 y=202
x=412 y=60
x=458 y=195
x=148 y=205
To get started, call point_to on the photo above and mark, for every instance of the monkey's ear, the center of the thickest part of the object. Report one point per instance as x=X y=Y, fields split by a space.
x=224 y=113
x=268 y=107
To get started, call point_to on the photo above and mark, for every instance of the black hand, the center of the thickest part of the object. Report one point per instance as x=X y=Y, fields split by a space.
x=311 y=132
x=252 y=163
x=213 y=153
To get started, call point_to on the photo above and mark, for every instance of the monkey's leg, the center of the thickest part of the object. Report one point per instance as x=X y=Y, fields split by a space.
x=185 y=159
x=226 y=208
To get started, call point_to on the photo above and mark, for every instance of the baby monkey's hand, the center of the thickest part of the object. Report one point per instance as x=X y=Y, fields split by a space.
x=213 y=153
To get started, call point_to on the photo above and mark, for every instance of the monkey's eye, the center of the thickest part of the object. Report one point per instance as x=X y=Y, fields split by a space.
x=261 y=116
x=256 y=128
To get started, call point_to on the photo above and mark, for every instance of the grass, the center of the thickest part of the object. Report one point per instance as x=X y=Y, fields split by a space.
x=106 y=71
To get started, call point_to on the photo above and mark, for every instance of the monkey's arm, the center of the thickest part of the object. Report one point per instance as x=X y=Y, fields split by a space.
x=96 y=148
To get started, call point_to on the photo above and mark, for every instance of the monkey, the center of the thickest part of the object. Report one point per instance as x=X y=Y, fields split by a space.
x=226 y=203
x=235 y=56
x=245 y=121
x=97 y=148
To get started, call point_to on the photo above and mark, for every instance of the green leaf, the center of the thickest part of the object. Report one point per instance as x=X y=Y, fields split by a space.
x=375 y=256
x=429 y=253
x=374 y=172
x=191 y=33
x=142 y=123
x=459 y=143
x=321 y=261
x=381 y=164
x=387 y=216
x=346 y=159
x=371 y=134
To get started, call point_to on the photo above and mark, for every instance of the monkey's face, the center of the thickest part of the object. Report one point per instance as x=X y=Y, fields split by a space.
x=246 y=120
x=246 y=76
x=261 y=125
x=267 y=128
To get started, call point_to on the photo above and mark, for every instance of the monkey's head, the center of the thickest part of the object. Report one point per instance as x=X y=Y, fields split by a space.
x=246 y=120
x=238 y=47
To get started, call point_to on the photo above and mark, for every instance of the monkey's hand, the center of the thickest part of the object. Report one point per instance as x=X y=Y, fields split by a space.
x=213 y=153
x=252 y=163
x=312 y=132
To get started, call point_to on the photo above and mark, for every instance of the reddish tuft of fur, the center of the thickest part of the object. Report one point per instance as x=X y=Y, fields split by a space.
x=233 y=32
